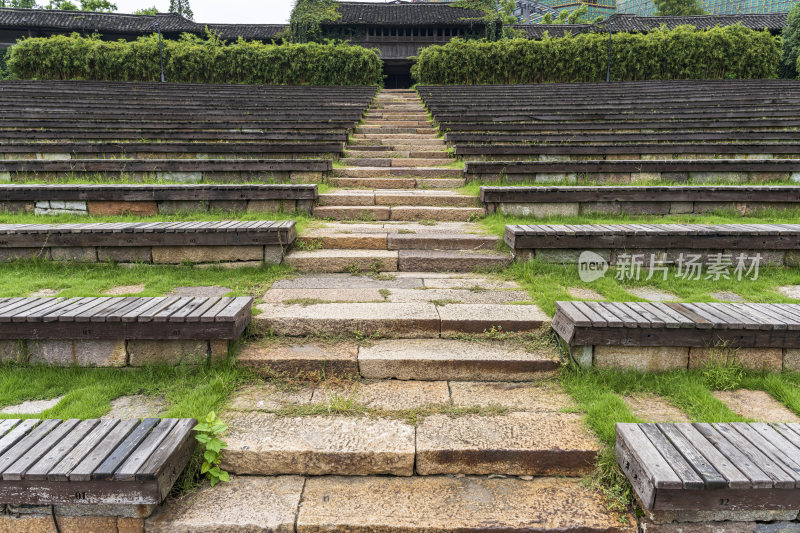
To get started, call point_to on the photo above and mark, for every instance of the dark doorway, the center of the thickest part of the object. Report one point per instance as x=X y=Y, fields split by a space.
x=397 y=74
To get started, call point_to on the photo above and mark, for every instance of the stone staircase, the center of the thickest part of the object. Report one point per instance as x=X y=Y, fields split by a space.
x=410 y=402
x=397 y=202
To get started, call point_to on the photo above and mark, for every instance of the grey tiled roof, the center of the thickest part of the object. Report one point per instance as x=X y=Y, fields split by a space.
x=397 y=13
x=537 y=31
x=755 y=21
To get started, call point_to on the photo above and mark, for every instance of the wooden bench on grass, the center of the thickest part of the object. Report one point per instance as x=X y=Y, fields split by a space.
x=617 y=243
x=229 y=241
x=664 y=336
x=116 y=331
x=119 y=199
x=111 y=461
x=712 y=467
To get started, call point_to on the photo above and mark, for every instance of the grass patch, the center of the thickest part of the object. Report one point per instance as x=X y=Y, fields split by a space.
x=20 y=278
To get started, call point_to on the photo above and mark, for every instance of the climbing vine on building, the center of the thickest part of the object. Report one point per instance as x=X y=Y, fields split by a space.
x=305 y=24
x=491 y=21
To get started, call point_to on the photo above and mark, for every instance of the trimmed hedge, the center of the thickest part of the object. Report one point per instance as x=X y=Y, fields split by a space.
x=193 y=60
x=683 y=53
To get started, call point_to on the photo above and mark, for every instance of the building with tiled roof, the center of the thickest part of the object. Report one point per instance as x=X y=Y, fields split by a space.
x=713 y=7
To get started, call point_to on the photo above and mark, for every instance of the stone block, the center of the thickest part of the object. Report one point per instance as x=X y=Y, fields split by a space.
x=644 y=208
x=709 y=207
x=306 y=177
x=778 y=527
x=543 y=209
x=206 y=254
x=17 y=207
x=610 y=177
x=665 y=517
x=12 y=351
x=293 y=359
x=179 y=177
x=768 y=257
x=130 y=525
x=791 y=359
x=125 y=254
x=271 y=206
x=760 y=177
x=112 y=208
x=13 y=254
x=169 y=207
x=152 y=352
x=81 y=254
x=700 y=527
x=87 y=524
x=639 y=177
x=675 y=177
x=218 y=350
x=566 y=255
x=51 y=352
x=273 y=254
x=299 y=205
x=53 y=156
x=600 y=208
x=228 y=206
x=27 y=523
x=725 y=177
x=753 y=358
x=5 y=176
x=556 y=177
x=680 y=208
x=583 y=355
x=106 y=509
x=100 y=352
x=642 y=358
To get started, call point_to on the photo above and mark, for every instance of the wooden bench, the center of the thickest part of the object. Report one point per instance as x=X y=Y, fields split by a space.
x=150 y=242
x=597 y=151
x=97 y=199
x=180 y=170
x=777 y=243
x=712 y=467
x=632 y=171
x=661 y=336
x=580 y=200
x=116 y=331
x=74 y=462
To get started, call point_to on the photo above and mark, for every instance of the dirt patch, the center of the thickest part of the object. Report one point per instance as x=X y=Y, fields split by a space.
x=31 y=407
x=125 y=289
x=757 y=405
x=792 y=291
x=582 y=293
x=652 y=294
x=211 y=291
x=654 y=409
x=136 y=406
x=44 y=293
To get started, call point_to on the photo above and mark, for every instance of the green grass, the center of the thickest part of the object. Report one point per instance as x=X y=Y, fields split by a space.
x=20 y=278
x=548 y=283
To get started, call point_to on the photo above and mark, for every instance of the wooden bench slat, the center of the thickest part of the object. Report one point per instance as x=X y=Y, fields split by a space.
x=107 y=468
x=780 y=478
x=84 y=469
x=689 y=478
x=62 y=470
x=758 y=478
x=15 y=433
x=26 y=443
x=764 y=446
x=26 y=460
x=169 y=451
x=142 y=453
x=48 y=461
x=735 y=479
x=712 y=479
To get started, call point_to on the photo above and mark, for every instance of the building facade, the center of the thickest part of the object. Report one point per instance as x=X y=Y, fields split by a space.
x=712 y=7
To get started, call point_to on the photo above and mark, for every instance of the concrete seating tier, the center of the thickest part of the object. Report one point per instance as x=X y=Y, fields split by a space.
x=167 y=135
x=172 y=150
x=665 y=336
x=625 y=171
x=521 y=140
x=96 y=199
x=180 y=170
x=109 y=331
x=777 y=244
x=657 y=151
x=90 y=462
x=729 y=468
x=578 y=200
x=232 y=242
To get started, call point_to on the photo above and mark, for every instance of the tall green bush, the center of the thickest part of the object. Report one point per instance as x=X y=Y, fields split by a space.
x=683 y=53
x=193 y=60
x=791 y=44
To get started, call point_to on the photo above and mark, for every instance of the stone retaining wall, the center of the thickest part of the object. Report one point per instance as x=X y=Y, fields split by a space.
x=244 y=176
x=789 y=258
x=79 y=518
x=583 y=178
x=232 y=256
x=150 y=208
x=112 y=353
x=546 y=209
x=763 y=521
x=663 y=358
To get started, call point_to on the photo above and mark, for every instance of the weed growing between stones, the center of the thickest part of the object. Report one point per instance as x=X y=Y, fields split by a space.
x=209 y=434
x=722 y=369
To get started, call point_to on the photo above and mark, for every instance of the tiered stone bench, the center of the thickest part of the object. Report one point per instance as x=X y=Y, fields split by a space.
x=778 y=244
x=578 y=200
x=106 y=475
x=97 y=199
x=179 y=170
x=731 y=468
x=108 y=331
x=150 y=242
x=680 y=171
x=662 y=336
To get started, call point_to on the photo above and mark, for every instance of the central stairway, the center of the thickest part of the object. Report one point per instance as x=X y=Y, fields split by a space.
x=395 y=205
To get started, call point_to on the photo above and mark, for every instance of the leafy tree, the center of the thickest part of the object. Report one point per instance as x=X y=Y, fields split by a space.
x=562 y=17
x=146 y=11
x=791 y=44
x=25 y=4
x=546 y=19
x=679 y=7
x=62 y=5
x=102 y=6
x=308 y=16
x=181 y=7
x=578 y=16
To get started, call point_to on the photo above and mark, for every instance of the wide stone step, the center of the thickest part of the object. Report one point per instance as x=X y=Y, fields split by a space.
x=398 y=197
x=400 y=213
x=402 y=320
x=343 y=260
x=517 y=443
x=442 y=240
x=440 y=504
x=425 y=143
x=381 y=130
x=381 y=122
x=395 y=162
x=387 y=152
x=396 y=183
x=387 y=137
x=392 y=172
x=452 y=260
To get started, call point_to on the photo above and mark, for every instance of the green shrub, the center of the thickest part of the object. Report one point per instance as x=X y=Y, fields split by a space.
x=3 y=68
x=193 y=60
x=683 y=53
x=791 y=44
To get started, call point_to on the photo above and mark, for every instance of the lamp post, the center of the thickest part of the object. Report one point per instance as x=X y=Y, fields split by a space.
x=608 y=63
